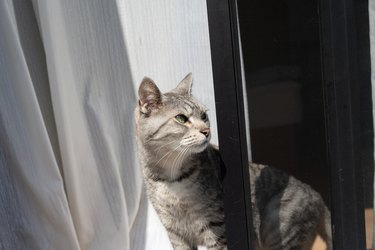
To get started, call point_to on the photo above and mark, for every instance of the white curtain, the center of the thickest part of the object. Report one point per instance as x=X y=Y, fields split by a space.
x=69 y=71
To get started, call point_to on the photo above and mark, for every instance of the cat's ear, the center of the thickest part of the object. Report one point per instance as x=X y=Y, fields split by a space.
x=150 y=97
x=184 y=87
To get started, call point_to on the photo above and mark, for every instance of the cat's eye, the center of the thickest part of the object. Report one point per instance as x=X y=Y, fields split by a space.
x=204 y=116
x=181 y=118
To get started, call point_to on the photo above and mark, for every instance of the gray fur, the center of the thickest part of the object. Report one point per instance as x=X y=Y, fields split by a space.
x=180 y=170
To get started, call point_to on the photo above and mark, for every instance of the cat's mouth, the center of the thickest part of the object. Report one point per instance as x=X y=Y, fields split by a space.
x=196 y=144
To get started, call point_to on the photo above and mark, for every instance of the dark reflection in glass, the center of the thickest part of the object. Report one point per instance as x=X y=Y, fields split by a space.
x=281 y=50
x=281 y=46
x=282 y=62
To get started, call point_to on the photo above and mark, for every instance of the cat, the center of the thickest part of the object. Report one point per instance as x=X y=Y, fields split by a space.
x=181 y=174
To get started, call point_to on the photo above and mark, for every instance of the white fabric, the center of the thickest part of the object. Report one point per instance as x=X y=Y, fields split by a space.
x=69 y=72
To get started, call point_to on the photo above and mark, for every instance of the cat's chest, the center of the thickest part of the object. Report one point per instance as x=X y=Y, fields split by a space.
x=186 y=205
x=184 y=191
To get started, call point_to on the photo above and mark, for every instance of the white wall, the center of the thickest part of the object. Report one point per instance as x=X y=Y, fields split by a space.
x=167 y=39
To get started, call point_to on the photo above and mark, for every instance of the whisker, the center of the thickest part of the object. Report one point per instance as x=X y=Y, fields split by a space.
x=173 y=151
x=182 y=157
x=175 y=161
x=178 y=160
x=169 y=152
x=159 y=148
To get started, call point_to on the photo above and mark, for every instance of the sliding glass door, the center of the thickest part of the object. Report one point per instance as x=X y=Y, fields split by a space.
x=299 y=72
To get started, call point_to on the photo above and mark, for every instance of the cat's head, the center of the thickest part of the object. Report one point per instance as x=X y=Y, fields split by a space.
x=173 y=120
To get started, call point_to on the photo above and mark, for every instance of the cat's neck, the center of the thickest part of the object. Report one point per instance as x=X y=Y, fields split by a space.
x=170 y=159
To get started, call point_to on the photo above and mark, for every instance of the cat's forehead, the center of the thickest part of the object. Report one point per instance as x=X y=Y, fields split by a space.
x=187 y=103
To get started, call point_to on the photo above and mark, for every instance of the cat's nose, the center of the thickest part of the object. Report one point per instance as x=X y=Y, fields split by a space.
x=206 y=132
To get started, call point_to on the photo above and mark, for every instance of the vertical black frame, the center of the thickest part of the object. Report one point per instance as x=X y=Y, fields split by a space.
x=226 y=69
x=342 y=107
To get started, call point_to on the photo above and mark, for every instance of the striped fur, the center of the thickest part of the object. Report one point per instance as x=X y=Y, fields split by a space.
x=181 y=173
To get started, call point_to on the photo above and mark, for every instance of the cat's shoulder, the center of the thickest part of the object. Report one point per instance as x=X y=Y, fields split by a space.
x=213 y=151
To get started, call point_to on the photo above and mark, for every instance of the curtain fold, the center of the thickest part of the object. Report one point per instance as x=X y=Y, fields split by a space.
x=37 y=214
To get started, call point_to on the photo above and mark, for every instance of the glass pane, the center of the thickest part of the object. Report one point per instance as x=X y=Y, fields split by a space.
x=282 y=63
x=283 y=68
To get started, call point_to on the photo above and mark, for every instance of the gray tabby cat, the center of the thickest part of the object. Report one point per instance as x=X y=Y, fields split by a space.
x=180 y=169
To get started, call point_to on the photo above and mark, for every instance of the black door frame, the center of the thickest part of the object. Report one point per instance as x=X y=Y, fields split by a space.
x=226 y=68
x=342 y=108
x=339 y=34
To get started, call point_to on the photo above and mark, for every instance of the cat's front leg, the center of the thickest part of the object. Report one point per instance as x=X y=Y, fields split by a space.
x=214 y=238
x=178 y=242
